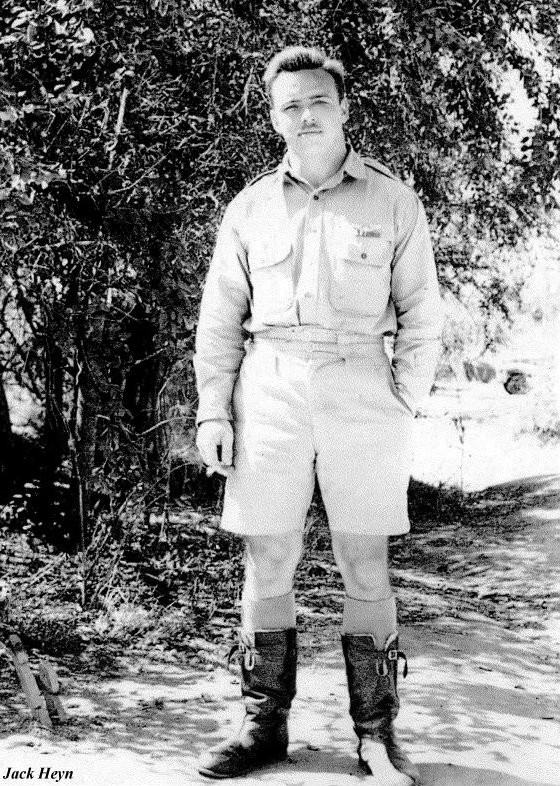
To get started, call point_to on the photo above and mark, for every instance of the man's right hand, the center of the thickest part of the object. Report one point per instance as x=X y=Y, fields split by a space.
x=214 y=440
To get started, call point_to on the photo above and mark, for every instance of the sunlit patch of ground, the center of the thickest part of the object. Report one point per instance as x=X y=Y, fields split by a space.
x=472 y=435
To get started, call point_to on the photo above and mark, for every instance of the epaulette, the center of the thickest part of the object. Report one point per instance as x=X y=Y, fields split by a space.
x=260 y=177
x=372 y=163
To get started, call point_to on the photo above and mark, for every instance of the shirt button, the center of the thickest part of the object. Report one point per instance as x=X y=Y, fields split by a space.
x=315 y=197
x=364 y=256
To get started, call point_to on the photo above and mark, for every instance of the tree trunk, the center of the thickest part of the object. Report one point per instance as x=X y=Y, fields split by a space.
x=91 y=371
x=83 y=445
x=55 y=434
x=54 y=444
x=6 y=436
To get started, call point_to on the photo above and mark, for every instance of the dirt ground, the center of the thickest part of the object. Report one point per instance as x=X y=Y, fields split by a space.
x=480 y=705
x=478 y=594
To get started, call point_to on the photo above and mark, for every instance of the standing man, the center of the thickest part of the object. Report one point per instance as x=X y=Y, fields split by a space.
x=315 y=261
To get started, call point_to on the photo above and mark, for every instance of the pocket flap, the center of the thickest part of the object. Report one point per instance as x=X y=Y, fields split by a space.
x=372 y=251
x=270 y=251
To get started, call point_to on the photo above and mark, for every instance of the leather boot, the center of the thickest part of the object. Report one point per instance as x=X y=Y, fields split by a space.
x=374 y=702
x=268 y=685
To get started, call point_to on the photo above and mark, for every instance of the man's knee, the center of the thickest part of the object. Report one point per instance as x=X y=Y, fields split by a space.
x=275 y=550
x=271 y=562
x=363 y=564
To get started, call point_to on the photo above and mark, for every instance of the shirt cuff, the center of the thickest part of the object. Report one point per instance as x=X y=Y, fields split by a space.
x=207 y=415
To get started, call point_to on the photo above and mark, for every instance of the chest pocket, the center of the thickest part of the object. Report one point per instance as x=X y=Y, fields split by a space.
x=272 y=277
x=360 y=275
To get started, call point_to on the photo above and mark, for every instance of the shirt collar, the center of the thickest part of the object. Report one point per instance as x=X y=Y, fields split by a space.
x=352 y=165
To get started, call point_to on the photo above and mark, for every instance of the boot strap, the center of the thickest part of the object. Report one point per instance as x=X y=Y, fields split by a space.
x=382 y=668
x=243 y=653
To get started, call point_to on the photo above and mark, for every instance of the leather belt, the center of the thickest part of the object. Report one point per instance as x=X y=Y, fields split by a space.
x=315 y=335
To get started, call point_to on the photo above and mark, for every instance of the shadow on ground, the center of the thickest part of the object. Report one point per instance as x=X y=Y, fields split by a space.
x=480 y=706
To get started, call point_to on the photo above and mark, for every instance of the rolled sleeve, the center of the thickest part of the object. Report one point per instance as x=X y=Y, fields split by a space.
x=220 y=337
x=418 y=306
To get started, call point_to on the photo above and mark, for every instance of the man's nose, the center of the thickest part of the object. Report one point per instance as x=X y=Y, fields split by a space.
x=307 y=115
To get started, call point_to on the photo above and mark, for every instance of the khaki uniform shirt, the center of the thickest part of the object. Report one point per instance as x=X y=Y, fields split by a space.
x=352 y=256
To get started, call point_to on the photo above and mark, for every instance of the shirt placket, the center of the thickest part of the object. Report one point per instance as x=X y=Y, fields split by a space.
x=308 y=283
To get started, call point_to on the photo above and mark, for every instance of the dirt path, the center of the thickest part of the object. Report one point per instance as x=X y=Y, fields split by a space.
x=480 y=706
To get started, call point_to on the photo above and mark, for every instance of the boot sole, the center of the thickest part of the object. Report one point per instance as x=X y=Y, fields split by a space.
x=251 y=768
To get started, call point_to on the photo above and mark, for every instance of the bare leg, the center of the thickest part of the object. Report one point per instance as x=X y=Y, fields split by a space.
x=369 y=604
x=270 y=563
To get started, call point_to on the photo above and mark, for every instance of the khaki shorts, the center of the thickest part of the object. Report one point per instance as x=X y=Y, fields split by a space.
x=327 y=410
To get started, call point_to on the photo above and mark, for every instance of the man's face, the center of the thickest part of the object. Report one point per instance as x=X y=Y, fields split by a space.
x=306 y=110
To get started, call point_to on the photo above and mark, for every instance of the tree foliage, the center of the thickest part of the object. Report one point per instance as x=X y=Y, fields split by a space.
x=128 y=125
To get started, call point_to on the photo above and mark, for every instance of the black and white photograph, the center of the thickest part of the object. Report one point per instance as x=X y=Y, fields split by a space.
x=280 y=392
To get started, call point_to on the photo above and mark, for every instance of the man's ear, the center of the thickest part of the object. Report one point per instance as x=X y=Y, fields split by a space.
x=345 y=109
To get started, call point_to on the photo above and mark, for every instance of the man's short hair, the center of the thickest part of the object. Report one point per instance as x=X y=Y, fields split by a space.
x=303 y=58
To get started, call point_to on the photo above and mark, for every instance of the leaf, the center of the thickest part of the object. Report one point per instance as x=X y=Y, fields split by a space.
x=9 y=115
x=87 y=35
x=25 y=199
x=21 y=20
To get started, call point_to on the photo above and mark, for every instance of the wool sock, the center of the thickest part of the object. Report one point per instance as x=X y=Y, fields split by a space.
x=277 y=613
x=378 y=617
